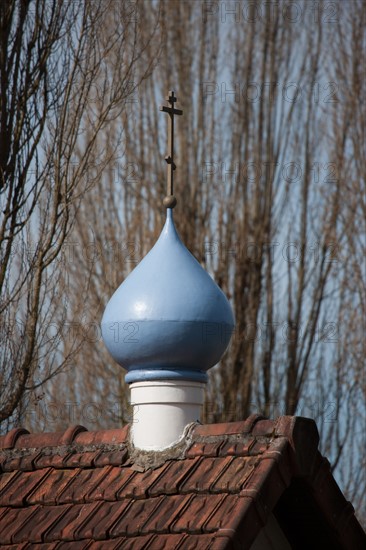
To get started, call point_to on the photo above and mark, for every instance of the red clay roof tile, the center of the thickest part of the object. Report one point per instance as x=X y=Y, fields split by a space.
x=200 y=448
x=109 y=487
x=96 y=527
x=13 y=521
x=76 y=527
x=194 y=542
x=36 y=525
x=25 y=463
x=46 y=460
x=16 y=491
x=205 y=473
x=81 y=459
x=35 y=546
x=81 y=484
x=4 y=481
x=261 y=488
x=234 y=476
x=259 y=447
x=139 y=484
x=229 y=428
x=263 y=428
x=114 y=544
x=163 y=515
x=196 y=512
x=81 y=490
x=16 y=546
x=20 y=438
x=109 y=437
x=168 y=542
x=8 y=441
x=237 y=447
x=229 y=506
x=138 y=513
x=244 y=520
x=70 y=434
x=172 y=477
x=64 y=528
x=114 y=458
x=139 y=543
x=41 y=440
x=46 y=492
x=74 y=545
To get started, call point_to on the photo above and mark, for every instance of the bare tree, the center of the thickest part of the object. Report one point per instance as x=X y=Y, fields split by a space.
x=63 y=80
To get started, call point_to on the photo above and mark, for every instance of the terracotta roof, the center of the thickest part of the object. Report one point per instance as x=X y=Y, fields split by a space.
x=89 y=490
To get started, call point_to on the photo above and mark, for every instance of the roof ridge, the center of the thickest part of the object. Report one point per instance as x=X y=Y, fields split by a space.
x=229 y=428
x=20 y=438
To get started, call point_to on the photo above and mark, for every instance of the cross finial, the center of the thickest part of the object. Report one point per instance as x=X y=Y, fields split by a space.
x=170 y=201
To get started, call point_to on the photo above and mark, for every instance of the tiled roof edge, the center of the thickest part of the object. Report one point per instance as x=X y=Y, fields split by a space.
x=267 y=483
x=337 y=509
x=303 y=436
x=301 y=433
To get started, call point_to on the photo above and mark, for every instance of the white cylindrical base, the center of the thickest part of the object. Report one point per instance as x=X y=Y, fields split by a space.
x=161 y=411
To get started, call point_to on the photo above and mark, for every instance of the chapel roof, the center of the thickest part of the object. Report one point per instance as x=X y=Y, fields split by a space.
x=215 y=490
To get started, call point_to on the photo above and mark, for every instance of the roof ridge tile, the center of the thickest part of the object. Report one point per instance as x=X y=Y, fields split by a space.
x=303 y=436
x=70 y=434
x=8 y=441
x=228 y=428
x=37 y=440
x=20 y=438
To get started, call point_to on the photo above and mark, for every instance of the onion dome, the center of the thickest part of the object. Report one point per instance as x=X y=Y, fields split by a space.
x=168 y=319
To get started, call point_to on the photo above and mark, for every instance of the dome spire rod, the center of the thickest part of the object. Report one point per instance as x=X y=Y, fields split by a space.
x=170 y=201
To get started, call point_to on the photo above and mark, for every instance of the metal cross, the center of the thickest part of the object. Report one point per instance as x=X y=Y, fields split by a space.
x=170 y=201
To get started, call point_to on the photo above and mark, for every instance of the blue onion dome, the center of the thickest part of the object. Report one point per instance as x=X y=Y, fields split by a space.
x=168 y=319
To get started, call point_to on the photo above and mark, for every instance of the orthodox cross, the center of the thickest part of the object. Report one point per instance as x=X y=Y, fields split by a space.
x=170 y=201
